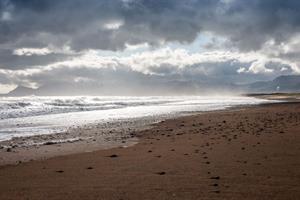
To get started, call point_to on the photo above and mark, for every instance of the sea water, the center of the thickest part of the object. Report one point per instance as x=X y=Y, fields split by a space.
x=33 y=115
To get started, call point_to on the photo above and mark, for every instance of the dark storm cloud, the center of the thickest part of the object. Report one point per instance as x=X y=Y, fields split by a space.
x=14 y=62
x=245 y=26
x=247 y=23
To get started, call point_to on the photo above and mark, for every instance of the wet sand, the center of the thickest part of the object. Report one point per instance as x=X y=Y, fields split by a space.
x=245 y=153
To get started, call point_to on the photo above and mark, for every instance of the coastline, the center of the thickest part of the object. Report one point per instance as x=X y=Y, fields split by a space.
x=89 y=137
x=240 y=153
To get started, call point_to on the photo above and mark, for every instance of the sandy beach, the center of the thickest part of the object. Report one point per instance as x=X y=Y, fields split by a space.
x=241 y=153
x=149 y=100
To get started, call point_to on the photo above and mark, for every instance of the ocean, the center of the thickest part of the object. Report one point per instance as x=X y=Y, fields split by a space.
x=33 y=115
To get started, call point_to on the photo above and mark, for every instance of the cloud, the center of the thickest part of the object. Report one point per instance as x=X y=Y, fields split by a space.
x=249 y=39
x=5 y=88
x=6 y=16
x=31 y=51
x=172 y=64
x=112 y=24
x=140 y=21
x=241 y=70
x=259 y=67
x=109 y=25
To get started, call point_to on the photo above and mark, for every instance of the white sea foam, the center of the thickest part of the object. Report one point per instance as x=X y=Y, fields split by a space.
x=27 y=116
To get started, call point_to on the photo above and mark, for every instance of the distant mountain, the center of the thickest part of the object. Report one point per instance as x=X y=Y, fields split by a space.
x=54 y=90
x=155 y=88
x=287 y=83
x=280 y=84
x=21 y=91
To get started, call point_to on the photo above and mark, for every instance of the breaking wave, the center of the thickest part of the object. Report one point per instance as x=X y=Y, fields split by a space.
x=32 y=115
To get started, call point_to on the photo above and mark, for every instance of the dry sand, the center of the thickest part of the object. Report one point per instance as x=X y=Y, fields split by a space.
x=250 y=153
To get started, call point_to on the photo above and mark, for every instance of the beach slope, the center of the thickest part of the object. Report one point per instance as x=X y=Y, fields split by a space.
x=242 y=153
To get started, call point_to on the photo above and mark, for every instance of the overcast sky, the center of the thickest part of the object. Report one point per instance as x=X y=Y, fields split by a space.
x=45 y=42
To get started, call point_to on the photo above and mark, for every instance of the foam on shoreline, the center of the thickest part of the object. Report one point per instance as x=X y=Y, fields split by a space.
x=142 y=111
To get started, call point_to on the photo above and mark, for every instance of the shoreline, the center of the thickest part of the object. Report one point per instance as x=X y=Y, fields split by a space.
x=61 y=125
x=88 y=138
x=91 y=137
x=249 y=153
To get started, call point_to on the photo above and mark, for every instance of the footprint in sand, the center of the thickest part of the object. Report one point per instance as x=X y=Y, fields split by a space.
x=215 y=177
x=161 y=173
x=113 y=156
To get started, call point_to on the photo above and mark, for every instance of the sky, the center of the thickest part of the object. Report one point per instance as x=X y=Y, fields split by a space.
x=136 y=44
